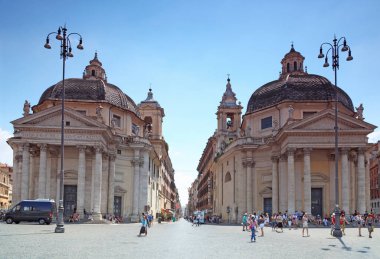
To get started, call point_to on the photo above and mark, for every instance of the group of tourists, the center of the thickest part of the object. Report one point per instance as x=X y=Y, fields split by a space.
x=146 y=221
x=358 y=220
x=278 y=221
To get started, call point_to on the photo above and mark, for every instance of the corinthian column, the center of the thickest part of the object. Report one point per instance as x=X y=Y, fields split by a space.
x=111 y=183
x=243 y=186
x=249 y=182
x=42 y=173
x=136 y=188
x=25 y=172
x=291 y=181
x=307 y=180
x=274 y=184
x=98 y=183
x=81 y=180
x=282 y=184
x=361 y=182
x=345 y=181
x=16 y=195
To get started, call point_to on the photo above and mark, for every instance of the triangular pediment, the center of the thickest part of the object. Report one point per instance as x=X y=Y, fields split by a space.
x=325 y=120
x=52 y=117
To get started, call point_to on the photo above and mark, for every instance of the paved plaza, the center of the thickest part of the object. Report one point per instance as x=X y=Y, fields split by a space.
x=178 y=240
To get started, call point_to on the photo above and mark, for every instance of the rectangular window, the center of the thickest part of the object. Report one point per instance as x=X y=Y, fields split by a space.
x=308 y=114
x=67 y=123
x=266 y=122
x=82 y=112
x=116 y=120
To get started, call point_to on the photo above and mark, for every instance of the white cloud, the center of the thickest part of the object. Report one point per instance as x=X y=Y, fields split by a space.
x=6 y=153
x=374 y=137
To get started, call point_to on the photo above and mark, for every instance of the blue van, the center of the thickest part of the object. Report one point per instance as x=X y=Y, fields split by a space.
x=41 y=210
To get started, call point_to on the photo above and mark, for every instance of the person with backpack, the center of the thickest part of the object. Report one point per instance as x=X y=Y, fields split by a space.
x=244 y=221
x=144 y=223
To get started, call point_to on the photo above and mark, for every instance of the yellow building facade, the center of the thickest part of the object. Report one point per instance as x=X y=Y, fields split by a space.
x=279 y=156
x=116 y=160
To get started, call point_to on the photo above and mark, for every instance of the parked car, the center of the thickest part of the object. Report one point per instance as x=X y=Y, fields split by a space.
x=41 y=210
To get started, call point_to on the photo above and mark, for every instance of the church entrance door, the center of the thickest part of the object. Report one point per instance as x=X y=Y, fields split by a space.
x=117 y=206
x=316 y=201
x=268 y=205
x=69 y=199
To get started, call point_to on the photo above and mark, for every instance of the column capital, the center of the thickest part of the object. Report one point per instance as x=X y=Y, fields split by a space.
x=307 y=151
x=112 y=156
x=344 y=150
x=25 y=146
x=361 y=150
x=43 y=147
x=283 y=157
x=81 y=148
x=98 y=149
x=274 y=158
x=18 y=158
x=290 y=151
x=244 y=162
x=251 y=163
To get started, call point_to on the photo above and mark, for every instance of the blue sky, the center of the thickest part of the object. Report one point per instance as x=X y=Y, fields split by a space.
x=184 y=49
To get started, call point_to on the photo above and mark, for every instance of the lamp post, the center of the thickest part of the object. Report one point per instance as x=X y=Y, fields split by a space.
x=66 y=52
x=334 y=48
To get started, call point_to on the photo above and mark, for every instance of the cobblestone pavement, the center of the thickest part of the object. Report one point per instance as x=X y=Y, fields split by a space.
x=178 y=240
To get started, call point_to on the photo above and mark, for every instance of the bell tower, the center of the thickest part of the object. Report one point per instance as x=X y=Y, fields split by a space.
x=152 y=113
x=292 y=63
x=229 y=117
x=95 y=70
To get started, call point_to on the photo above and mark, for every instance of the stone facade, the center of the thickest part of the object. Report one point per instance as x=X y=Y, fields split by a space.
x=116 y=160
x=281 y=157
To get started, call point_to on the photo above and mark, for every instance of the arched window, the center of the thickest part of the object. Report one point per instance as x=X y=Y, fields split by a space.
x=148 y=123
x=228 y=177
x=288 y=67
x=295 y=65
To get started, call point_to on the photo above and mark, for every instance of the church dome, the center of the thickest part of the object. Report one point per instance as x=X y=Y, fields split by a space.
x=296 y=85
x=93 y=87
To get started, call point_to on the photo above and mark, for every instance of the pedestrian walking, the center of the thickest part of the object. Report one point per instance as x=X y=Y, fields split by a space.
x=343 y=221
x=261 y=223
x=370 y=222
x=360 y=221
x=273 y=222
x=244 y=221
x=253 y=227
x=198 y=220
x=332 y=223
x=279 y=223
x=305 y=225
x=290 y=221
x=144 y=224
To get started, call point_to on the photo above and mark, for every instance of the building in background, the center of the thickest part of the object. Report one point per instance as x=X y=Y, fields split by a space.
x=375 y=178
x=279 y=156
x=116 y=159
x=5 y=186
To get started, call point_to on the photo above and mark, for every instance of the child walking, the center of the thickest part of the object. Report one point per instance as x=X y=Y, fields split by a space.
x=253 y=228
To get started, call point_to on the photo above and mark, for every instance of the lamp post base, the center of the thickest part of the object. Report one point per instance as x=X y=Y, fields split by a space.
x=60 y=228
x=337 y=233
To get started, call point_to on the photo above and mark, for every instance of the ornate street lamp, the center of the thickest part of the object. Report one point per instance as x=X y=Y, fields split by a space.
x=334 y=48
x=66 y=52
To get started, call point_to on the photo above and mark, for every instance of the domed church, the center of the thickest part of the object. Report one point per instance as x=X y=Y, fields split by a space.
x=116 y=160
x=279 y=156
